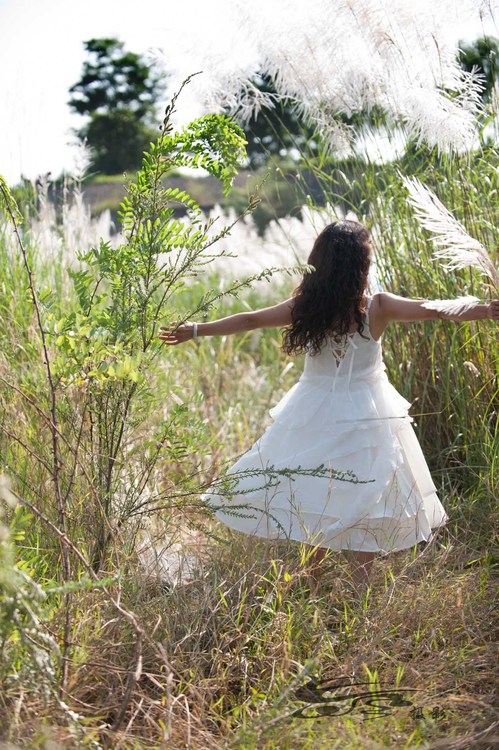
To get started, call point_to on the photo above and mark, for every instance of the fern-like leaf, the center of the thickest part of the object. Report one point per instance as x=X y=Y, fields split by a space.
x=8 y=203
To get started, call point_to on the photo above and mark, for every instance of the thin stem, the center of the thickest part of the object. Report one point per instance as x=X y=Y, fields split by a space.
x=56 y=462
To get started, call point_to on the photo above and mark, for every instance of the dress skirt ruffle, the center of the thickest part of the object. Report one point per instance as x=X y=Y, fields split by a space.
x=339 y=469
x=340 y=466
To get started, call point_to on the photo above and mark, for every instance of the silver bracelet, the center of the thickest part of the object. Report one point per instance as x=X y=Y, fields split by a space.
x=194 y=331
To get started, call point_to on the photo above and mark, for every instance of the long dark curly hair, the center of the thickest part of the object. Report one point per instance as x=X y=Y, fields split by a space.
x=333 y=296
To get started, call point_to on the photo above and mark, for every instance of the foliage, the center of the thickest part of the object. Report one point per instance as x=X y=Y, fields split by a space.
x=110 y=479
x=117 y=140
x=86 y=410
x=8 y=203
x=114 y=80
x=118 y=91
x=26 y=649
x=106 y=344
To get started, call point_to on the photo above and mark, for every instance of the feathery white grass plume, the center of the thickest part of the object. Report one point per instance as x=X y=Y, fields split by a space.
x=452 y=306
x=493 y=111
x=340 y=57
x=455 y=245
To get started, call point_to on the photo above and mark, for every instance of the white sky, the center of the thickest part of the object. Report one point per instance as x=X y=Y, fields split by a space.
x=41 y=57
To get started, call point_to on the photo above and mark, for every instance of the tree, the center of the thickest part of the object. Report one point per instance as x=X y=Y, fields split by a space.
x=118 y=91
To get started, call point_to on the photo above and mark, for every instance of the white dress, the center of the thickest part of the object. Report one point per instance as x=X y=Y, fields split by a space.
x=343 y=415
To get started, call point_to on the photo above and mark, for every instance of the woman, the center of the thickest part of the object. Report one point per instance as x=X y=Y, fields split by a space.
x=340 y=468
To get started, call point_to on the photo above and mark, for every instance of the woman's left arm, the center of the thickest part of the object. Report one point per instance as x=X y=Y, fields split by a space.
x=268 y=317
x=387 y=308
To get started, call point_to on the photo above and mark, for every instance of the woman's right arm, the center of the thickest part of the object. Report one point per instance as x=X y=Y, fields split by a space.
x=389 y=308
x=268 y=317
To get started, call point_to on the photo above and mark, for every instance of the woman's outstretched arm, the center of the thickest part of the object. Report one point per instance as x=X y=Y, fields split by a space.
x=387 y=308
x=268 y=317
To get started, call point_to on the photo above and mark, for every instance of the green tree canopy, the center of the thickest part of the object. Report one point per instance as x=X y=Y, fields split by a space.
x=118 y=92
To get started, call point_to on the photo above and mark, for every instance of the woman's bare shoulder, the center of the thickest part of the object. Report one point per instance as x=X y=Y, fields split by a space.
x=376 y=325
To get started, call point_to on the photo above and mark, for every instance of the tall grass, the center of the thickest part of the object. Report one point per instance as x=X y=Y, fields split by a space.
x=225 y=648
x=448 y=371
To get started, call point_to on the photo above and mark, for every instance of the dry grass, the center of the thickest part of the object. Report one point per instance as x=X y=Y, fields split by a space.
x=224 y=647
x=224 y=651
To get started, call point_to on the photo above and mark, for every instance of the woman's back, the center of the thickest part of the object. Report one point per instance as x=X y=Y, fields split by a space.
x=353 y=357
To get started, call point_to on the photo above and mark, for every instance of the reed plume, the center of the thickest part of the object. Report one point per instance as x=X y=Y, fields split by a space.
x=349 y=56
x=454 y=245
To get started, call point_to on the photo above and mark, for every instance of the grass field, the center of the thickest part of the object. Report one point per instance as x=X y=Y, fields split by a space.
x=106 y=451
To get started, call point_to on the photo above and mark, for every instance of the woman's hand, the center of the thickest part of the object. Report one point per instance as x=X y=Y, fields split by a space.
x=267 y=317
x=176 y=334
x=493 y=309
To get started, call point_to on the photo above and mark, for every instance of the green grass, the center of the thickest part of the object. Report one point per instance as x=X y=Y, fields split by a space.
x=225 y=651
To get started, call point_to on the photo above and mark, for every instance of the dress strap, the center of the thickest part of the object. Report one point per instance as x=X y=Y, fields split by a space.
x=366 y=316
x=369 y=300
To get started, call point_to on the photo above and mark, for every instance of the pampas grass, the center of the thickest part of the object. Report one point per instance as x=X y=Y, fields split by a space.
x=340 y=58
x=226 y=643
x=452 y=306
x=454 y=245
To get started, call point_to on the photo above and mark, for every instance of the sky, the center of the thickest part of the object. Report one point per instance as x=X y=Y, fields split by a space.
x=41 y=57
